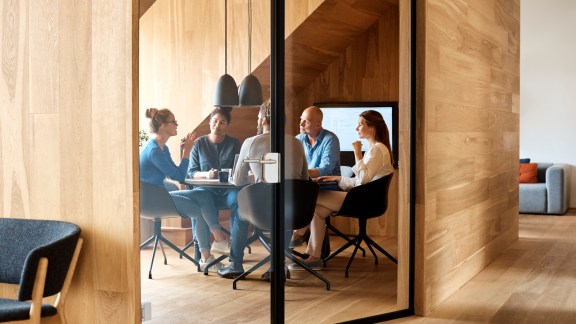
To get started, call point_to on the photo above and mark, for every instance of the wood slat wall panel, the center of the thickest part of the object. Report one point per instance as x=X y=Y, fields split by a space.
x=468 y=148
x=404 y=132
x=76 y=46
x=66 y=139
x=45 y=158
x=43 y=59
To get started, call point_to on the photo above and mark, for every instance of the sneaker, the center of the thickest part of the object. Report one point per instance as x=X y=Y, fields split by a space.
x=222 y=247
x=213 y=268
x=231 y=271
x=314 y=265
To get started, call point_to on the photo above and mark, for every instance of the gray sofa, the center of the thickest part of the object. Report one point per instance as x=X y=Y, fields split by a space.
x=551 y=195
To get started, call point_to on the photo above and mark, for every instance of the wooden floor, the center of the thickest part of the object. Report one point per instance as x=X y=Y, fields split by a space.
x=534 y=281
x=179 y=294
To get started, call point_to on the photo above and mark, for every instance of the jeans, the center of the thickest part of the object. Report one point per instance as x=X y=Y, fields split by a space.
x=210 y=200
x=238 y=239
x=189 y=207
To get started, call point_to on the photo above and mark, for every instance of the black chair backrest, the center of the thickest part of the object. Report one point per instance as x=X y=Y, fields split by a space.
x=368 y=200
x=255 y=203
x=24 y=241
x=156 y=202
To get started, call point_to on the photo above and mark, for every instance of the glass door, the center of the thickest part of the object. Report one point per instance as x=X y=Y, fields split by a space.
x=305 y=54
x=354 y=57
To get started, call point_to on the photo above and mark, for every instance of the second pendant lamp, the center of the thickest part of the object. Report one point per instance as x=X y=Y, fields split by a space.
x=226 y=93
x=250 y=90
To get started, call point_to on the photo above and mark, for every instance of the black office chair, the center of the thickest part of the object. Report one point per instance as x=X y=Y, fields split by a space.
x=255 y=205
x=363 y=202
x=40 y=257
x=157 y=204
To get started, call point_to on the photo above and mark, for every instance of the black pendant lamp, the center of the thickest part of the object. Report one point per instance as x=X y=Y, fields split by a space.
x=250 y=91
x=226 y=93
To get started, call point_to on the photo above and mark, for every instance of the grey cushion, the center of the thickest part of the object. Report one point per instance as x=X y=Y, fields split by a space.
x=533 y=198
x=551 y=195
x=13 y=310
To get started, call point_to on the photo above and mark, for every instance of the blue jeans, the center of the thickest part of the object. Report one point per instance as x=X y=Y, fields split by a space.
x=238 y=238
x=210 y=200
x=189 y=207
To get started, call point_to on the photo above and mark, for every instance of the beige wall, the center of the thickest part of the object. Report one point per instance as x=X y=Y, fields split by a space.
x=467 y=150
x=66 y=139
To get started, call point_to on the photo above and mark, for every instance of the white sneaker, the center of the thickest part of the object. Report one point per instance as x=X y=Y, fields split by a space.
x=213 y=268
x=222 y=247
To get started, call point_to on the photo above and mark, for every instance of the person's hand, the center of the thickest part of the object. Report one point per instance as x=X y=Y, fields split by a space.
x=213 y=173
x=357 y=146
x=187 y=141
x=328 y=178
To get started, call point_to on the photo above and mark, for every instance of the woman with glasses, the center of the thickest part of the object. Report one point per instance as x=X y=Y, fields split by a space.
x=156 y=165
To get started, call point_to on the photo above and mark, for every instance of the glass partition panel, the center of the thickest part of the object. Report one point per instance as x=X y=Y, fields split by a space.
x=276 y=211
x=347 y=102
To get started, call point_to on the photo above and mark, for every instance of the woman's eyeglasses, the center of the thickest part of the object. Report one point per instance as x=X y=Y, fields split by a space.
x=173 y=122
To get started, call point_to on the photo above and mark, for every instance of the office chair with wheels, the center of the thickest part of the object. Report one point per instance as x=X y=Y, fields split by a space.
x=363 y=202
x=255 y=206
x=345 y=171
x=157 y=204
x=40 y=257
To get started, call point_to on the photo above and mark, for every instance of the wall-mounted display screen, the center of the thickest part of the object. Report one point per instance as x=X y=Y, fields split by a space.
x=342 y=119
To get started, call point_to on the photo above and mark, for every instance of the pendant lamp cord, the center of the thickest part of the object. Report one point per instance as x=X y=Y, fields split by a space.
x=225 y=36
x=249 y=36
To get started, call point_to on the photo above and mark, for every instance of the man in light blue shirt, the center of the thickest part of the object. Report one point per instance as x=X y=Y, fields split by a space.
x=321 y=146
x=322 y=150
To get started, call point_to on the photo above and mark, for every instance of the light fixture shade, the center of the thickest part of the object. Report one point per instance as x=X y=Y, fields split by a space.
x=250 y=91
x=226 y=93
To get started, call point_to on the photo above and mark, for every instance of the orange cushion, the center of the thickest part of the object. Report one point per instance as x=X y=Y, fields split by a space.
x=528 y=172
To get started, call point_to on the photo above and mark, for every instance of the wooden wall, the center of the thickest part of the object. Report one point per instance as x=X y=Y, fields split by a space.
x=467 y=144
x=66 y=139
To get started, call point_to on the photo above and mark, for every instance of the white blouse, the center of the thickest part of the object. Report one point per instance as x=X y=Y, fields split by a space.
x=375 y=164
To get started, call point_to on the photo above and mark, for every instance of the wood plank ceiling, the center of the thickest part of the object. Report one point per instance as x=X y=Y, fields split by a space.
x=321 y=39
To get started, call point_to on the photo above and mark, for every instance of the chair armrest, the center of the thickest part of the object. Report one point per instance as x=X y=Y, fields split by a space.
x=558 y=188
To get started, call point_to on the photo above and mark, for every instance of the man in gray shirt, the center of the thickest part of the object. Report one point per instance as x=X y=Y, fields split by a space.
x=254 y=148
